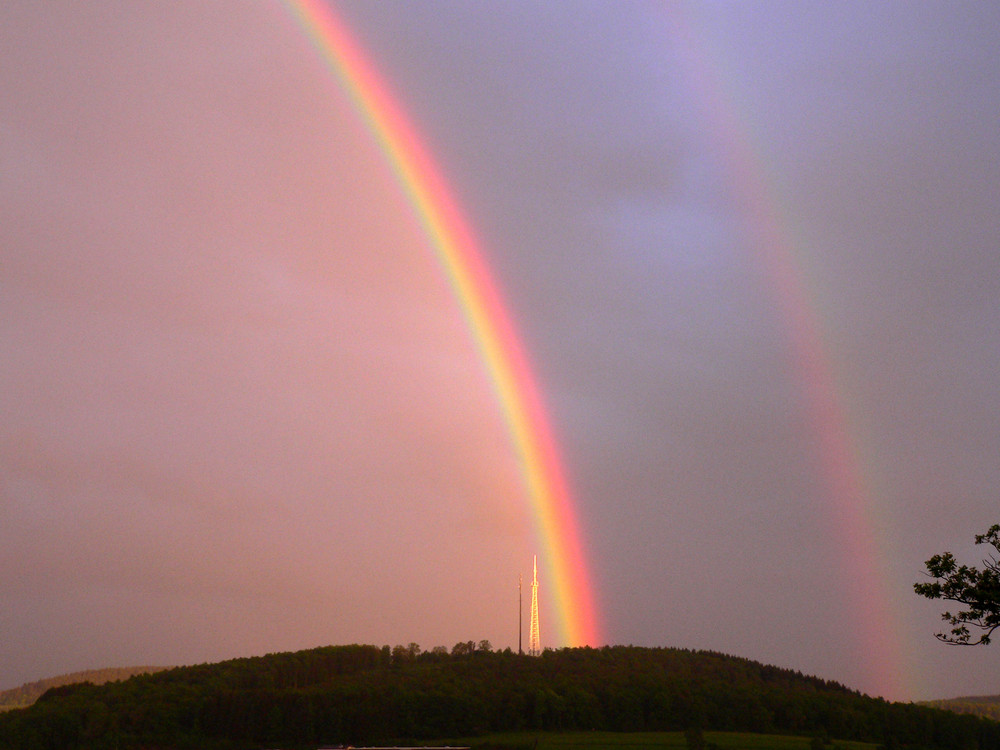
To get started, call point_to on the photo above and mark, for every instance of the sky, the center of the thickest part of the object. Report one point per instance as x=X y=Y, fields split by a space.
x=750 y=250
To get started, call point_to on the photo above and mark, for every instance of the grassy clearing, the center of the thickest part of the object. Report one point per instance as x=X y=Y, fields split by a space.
x=648 y=741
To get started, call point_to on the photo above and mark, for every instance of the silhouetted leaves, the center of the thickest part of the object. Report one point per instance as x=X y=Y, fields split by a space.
x=979 y=590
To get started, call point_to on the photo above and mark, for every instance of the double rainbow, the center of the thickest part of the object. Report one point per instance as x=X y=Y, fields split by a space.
x=461 y=260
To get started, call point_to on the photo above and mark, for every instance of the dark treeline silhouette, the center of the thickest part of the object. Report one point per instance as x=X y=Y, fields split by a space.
x=372 y=695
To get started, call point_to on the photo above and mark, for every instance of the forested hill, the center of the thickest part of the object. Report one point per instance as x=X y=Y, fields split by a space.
x=29 y=692
x=983 y=705
x=371 y=695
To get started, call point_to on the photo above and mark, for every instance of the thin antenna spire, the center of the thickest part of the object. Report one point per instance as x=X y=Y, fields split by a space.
x=519 y=619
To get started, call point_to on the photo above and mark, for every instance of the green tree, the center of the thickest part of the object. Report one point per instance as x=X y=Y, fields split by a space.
x=404 y=654
x=979 y=590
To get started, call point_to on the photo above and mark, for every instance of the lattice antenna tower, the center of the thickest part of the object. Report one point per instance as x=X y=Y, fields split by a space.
x=534 y=641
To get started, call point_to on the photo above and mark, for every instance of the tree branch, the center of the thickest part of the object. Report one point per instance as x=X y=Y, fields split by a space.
x=979 y=590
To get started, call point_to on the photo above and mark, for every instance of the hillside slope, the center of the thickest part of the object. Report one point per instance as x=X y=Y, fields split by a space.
x=371 y=695
x=983 y=705
x=29 y=692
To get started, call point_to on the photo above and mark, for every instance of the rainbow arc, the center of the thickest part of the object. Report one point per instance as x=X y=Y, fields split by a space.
x=462 y=262
x=852 y=505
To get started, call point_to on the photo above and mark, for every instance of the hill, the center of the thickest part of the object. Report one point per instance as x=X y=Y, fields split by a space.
x=983 y=705
x=372 y=695
x=29 y=692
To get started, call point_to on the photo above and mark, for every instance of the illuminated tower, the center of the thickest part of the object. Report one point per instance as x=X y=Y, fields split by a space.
x=534 y=641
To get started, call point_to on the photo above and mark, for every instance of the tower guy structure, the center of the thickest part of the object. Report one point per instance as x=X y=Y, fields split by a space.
x=534 y=641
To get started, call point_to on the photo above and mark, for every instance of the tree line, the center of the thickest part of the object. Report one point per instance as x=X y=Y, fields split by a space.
x=380 y=695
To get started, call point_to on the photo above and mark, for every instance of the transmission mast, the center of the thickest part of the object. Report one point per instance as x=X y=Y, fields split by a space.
x=534 y=641
x=519 y=618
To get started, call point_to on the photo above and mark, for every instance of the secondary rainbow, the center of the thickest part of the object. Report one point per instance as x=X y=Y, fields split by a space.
x=461 y=260
x=853 y=505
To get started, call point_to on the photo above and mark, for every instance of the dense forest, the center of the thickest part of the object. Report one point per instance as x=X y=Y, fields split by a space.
x=29 y=692
x=372 y=695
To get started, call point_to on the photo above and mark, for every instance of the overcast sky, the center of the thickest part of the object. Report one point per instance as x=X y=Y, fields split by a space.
x=242 y=413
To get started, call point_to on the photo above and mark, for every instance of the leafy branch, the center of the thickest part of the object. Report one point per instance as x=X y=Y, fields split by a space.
x=978 y=590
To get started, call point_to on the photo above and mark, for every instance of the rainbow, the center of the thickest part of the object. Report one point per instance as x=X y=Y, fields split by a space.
x=853 y=506
x=461 y=260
